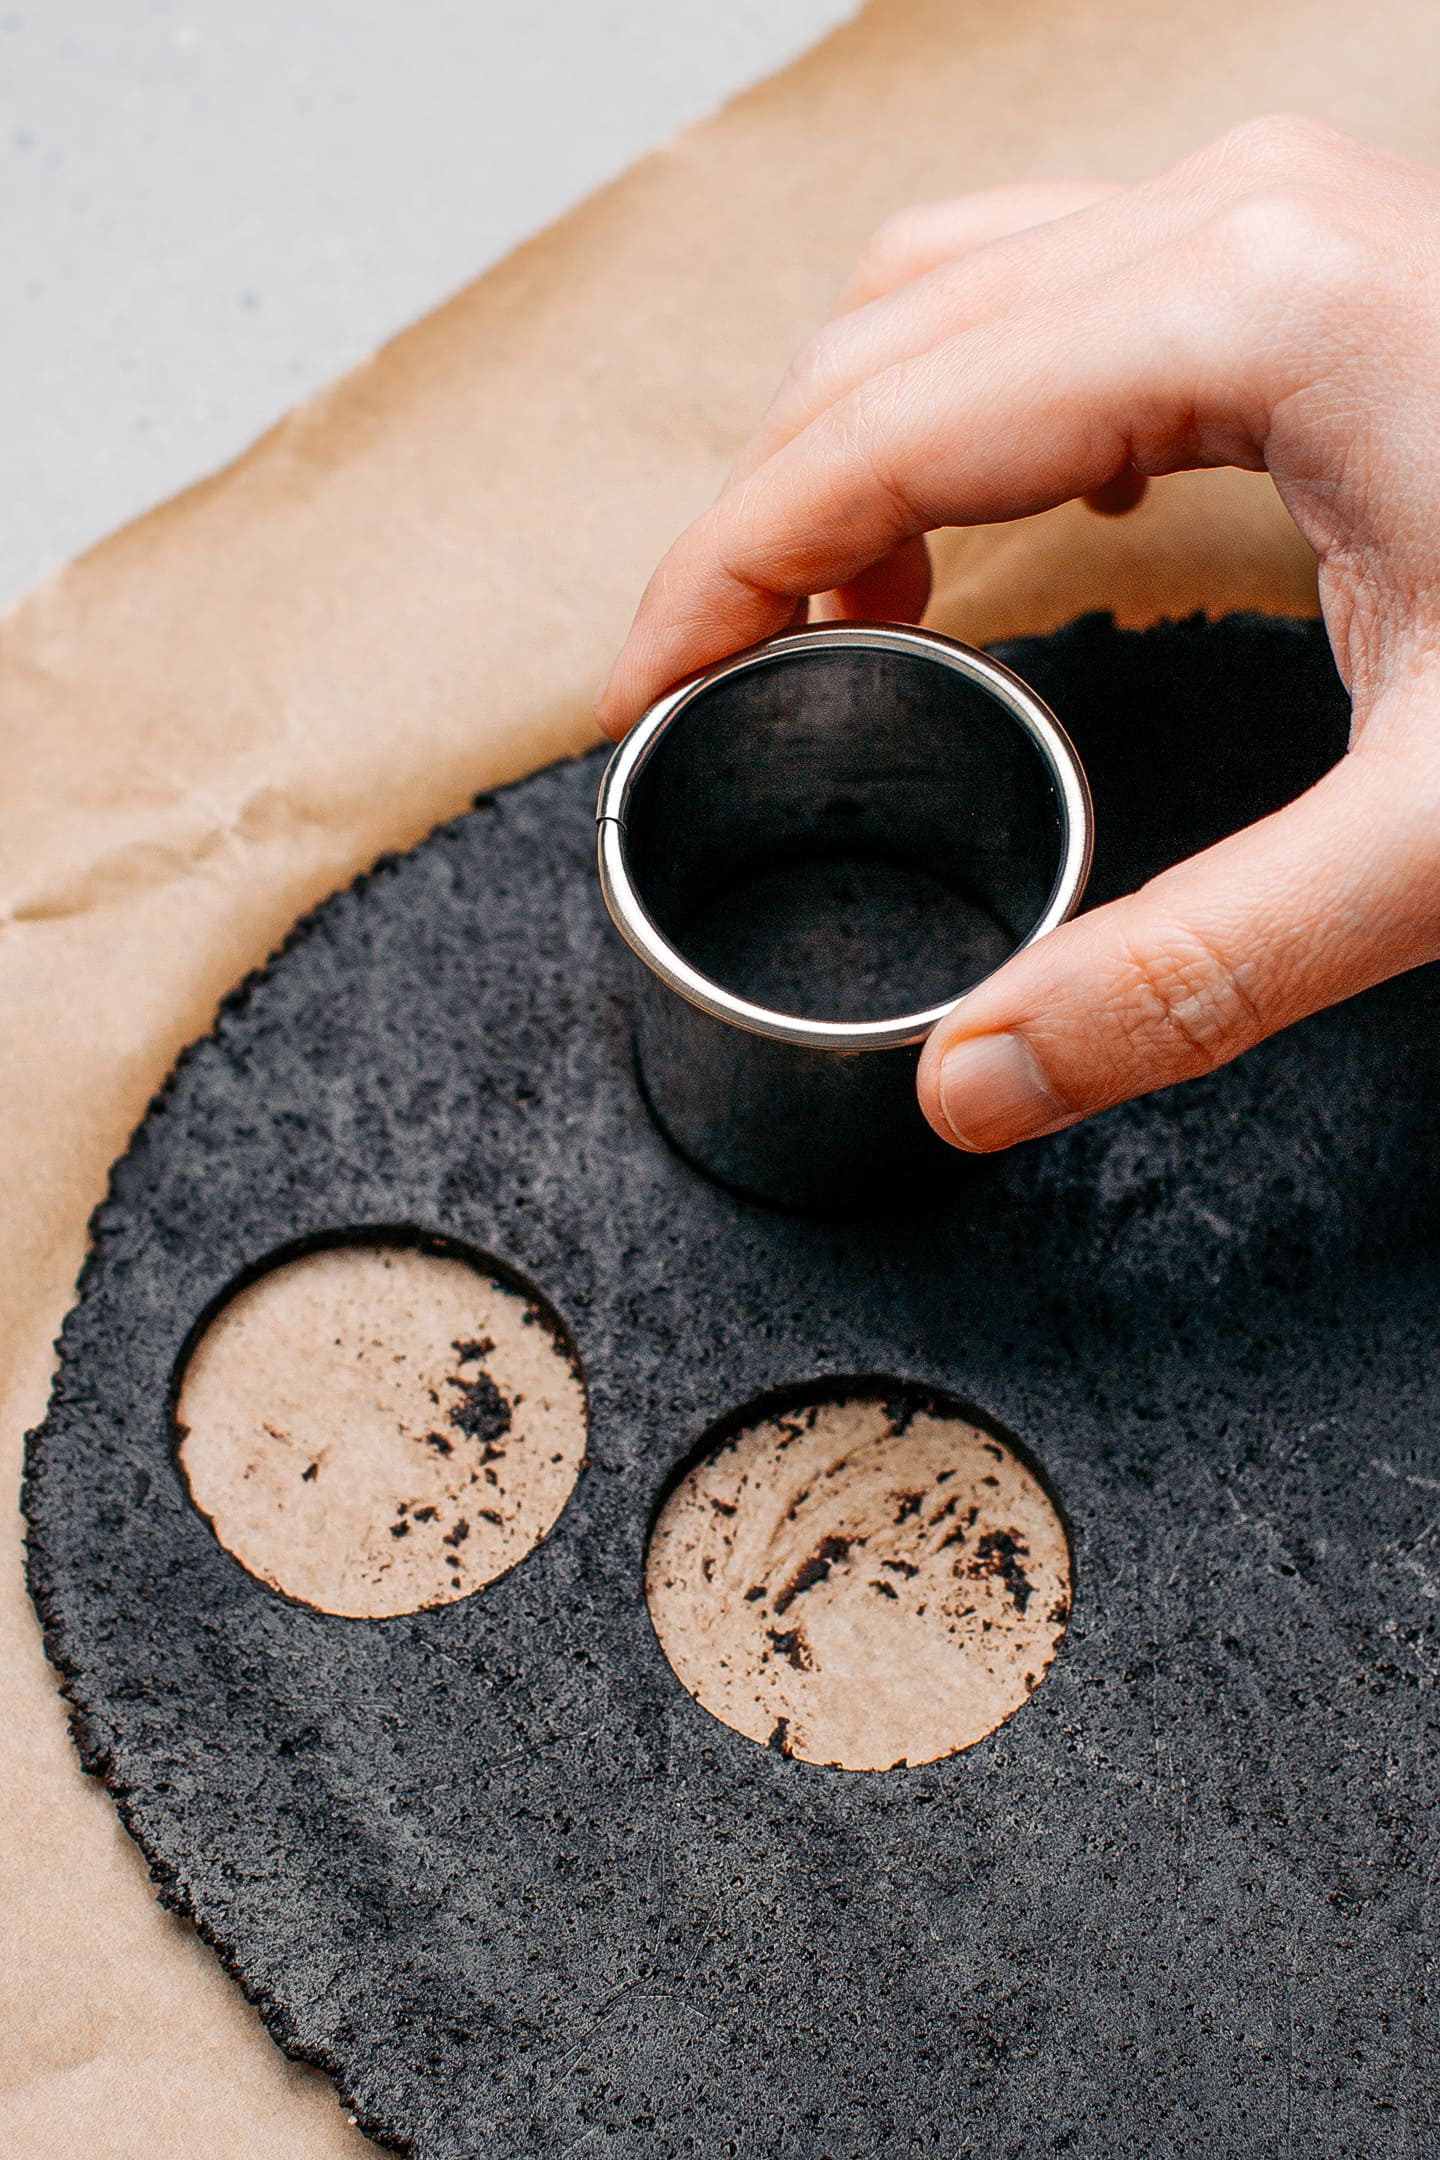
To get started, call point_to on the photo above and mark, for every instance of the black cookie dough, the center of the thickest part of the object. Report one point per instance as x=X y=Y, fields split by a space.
x=492 y=1868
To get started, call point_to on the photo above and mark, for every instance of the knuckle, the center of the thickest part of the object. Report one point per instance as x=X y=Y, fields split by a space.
x=1272 y=227
x=898 y=249
x=1284 y=142
x=732 y=537
x=814 y=366
x=1292 y=237
x=896 y=240
x=873 y=425
x=1181 y=1005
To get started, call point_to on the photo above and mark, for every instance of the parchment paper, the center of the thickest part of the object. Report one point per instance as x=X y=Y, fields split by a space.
x=409 y=590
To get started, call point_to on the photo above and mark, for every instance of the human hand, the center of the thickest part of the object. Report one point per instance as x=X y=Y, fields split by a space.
x=1271 y=302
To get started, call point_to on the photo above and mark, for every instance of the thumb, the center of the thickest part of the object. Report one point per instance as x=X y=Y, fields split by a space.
x=1330 y=895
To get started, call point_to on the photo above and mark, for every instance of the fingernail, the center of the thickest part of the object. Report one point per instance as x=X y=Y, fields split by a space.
x=993 y=1093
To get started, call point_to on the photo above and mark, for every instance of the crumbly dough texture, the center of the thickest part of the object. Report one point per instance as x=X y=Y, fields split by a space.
x=865 y=1579
x=374 y=1430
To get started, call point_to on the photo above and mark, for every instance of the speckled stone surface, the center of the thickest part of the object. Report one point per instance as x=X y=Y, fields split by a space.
x=490 y=1865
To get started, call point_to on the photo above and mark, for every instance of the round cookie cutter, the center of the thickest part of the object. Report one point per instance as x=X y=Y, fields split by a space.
x=856 y=742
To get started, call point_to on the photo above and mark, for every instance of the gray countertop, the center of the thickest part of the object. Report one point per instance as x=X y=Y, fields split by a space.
x=207 y=211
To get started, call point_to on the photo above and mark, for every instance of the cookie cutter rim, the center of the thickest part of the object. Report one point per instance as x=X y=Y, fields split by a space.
x=649 y=943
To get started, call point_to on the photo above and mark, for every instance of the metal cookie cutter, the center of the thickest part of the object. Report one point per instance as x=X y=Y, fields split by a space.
x=815 y=849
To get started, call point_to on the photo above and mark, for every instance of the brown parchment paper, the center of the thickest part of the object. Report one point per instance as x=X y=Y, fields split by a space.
x=409 y=590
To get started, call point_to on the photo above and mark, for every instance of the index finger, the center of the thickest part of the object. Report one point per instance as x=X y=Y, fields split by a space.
x=1155 y=367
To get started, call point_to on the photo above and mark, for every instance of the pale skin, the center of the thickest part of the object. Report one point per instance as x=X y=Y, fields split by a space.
x=1272 y=302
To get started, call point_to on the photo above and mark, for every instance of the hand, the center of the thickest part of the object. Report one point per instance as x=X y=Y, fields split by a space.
x=1273 y=301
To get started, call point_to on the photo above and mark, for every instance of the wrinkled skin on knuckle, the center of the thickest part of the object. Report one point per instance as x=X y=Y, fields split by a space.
x=815 y=367
x=739 y=539
x=874 y=428
x=1178 y=1006
x=1375 y=532
x=1357 y=611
